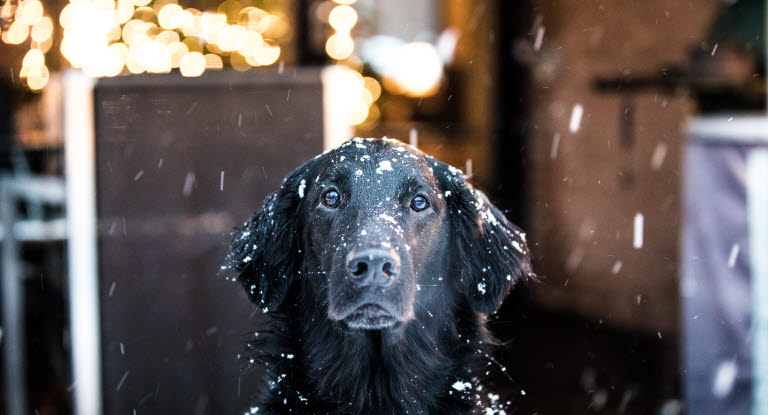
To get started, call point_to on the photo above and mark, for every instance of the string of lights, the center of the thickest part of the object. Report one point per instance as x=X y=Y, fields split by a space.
x=108 y=38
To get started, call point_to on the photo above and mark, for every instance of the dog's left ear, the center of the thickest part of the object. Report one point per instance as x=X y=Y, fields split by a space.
x=491 y=252
x=265 y=254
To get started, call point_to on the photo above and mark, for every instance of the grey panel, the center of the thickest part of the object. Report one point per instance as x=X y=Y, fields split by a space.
x=716 y=280
x=171 y=328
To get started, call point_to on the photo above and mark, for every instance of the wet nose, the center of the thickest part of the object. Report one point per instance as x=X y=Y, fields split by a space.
x=373 y=267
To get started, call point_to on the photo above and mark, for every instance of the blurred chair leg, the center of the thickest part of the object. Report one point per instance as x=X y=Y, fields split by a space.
x=13 y=308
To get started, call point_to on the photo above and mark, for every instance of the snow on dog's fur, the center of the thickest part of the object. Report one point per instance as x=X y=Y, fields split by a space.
x=409 y=340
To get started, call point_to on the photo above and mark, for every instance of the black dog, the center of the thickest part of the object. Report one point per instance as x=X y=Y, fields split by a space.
x=378 y=266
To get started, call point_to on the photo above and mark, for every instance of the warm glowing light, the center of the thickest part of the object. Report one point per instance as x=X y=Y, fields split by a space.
x=357 y=113
x=38 y=78
x=192 y=64
x=342 y=18
x=33 y=58
x=113 y=34
x=135 y=32
x=339 y=46
x=17 y=33
x=213 y=61
x=257 y=20
x=344 y=1
x=211 y=25
x=193 y=44
x=42 y=30
x=167 y=37
x=353 y=98
x=230 y=8
x=373 y=87
x=227 y=38
x=154 y=57
x=418 y=70
x=104 y=37
x=45 y=46
x=177 y=50
x=29 y=12
x=265 y=55
x=374 y=114
x=188 y=22
x=249 y=42
x=124 y=11
x=132 y=62
x=65 y=17
x=239 y=62
x=277 y=27
x=144 y=13
x=115 y=59
x=165 y=17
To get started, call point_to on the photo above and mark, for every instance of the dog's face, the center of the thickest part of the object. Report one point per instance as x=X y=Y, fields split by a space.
x=365 y=226
x=377 y=230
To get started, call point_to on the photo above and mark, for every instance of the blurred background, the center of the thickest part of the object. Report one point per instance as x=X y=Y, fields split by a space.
x=628 y=138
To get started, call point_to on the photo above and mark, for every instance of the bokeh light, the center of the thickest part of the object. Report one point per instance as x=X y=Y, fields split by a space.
x=342 y=18
x=29 y=12
x=192 y=64
x=42 y=30
x=165 y=17
x=339 y=46
x=419 y=70
x=114 y=37
x=17 y=33
x=158 y=36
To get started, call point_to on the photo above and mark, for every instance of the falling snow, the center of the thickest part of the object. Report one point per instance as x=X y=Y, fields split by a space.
x=637 y=241
x=733 y=255
x=576 y=115
x=724 y=378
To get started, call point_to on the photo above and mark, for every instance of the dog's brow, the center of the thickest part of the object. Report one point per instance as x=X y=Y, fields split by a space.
x=409 y=184
x=339 y=175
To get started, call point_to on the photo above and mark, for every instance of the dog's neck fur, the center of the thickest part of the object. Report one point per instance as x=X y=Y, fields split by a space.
x=319 y=367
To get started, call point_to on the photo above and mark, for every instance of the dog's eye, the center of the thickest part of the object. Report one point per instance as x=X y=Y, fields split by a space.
x=331 y=198
x=419 y=203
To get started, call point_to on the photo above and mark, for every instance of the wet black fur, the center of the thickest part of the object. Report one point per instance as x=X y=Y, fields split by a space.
x=317 y=366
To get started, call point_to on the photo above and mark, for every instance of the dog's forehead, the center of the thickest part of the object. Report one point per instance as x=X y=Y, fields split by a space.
x=384 y=164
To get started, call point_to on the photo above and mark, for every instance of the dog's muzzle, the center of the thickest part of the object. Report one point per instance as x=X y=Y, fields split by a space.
x=373 y=267
x=370 y=293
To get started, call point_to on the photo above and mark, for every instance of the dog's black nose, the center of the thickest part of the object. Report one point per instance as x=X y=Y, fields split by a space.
x=373 y=267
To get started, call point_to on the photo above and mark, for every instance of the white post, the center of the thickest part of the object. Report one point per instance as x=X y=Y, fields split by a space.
x=336 y=129
x=79 y=159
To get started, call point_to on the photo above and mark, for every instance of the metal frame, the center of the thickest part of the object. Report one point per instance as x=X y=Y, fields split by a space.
x=36 y=191
x=13 y=304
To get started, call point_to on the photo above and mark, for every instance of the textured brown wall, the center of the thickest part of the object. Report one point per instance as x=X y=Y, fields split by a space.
x=581 y=209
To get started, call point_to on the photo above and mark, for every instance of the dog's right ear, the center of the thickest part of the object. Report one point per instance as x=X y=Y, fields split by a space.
x=265 y=254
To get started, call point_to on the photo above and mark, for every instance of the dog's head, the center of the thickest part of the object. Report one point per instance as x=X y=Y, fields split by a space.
x=366 y=226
